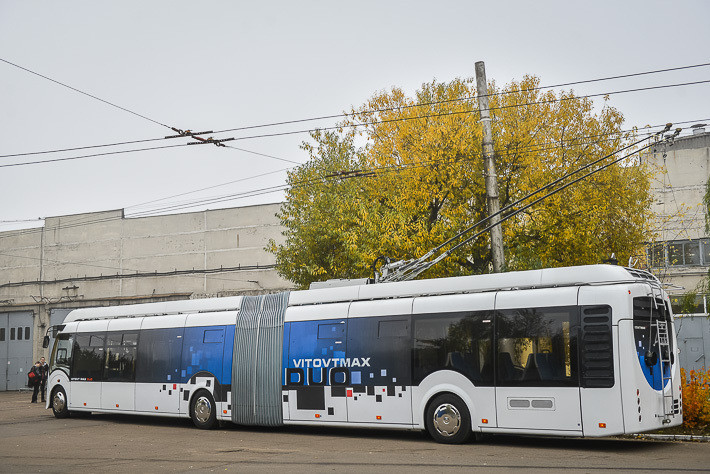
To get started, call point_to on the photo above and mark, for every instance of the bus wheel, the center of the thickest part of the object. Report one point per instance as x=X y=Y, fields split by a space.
x=447 y=419
x=59 y=403
x=203 y=411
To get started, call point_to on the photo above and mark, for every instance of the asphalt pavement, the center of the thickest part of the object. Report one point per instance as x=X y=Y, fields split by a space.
x=32 y=440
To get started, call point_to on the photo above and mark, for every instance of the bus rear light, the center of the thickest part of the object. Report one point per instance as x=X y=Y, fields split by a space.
x=602 y=425
x=174 y=386
x=484 y=421
x=350 y=392
x=378 y=417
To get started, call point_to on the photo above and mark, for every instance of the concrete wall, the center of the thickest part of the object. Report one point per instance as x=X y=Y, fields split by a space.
x=682 y=171
x=103 y=258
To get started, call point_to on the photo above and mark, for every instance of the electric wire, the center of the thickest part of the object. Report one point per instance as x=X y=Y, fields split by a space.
x=93 y=155
x=460 y=99
x=561 y=188
x=226 y=198
x=247 y=194
x=504 y=218
x=372 y=111
x=461 y=112
x=450 y=251
x=209 y=187
x=85 y=93
x=202 y=274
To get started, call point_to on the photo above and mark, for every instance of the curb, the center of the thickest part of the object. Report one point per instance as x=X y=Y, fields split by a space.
x=660 y=437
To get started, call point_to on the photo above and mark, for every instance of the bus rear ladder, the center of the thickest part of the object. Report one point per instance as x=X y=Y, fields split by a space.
x=664 y=350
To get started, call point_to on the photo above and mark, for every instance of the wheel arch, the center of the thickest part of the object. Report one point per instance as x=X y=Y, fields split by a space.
x=440 y=383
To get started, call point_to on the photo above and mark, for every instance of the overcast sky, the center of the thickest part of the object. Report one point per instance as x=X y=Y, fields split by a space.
x=224 y=65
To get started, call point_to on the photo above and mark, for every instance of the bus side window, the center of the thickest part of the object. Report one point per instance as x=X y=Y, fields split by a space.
x=537 y=347
x=121 y=357
x=213 y=336
x=331 y=331
x=88 y=356
x=462 y=342
x=396 y=328
x=159 y=354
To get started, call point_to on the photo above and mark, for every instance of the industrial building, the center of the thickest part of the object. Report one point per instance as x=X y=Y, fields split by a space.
x=680 y=256
x=104 y=258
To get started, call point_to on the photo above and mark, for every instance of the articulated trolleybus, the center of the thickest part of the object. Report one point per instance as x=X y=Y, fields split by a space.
x=579 y=351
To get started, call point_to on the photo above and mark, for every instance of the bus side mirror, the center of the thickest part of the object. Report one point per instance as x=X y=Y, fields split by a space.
x=45 y=342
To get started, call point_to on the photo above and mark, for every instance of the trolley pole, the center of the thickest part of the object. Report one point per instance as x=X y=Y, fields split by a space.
x=490 y=168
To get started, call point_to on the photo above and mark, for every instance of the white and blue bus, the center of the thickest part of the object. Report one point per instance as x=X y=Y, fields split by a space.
x=578 y=351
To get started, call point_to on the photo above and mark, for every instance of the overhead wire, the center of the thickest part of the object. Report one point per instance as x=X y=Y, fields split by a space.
x=226 y=198
x=412 y=268
x=93 y=155
x=461 y=112
x=459 y=99
x=339 y=127
x=372 y=111
x=137 y=273
x=86 y=94
x=204 y=275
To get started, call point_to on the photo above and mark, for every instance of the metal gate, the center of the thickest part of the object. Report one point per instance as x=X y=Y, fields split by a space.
x=16 y=335
x=693 y=332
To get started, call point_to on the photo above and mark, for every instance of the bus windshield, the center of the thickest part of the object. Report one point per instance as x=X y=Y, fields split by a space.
x=62 y=353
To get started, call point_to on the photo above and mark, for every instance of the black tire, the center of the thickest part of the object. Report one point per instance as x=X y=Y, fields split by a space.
x=59 y=402
x=203 y=410
x=447 y=419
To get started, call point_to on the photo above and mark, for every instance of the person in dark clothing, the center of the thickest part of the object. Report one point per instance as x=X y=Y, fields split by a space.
x=45 y=373
x=36 y=380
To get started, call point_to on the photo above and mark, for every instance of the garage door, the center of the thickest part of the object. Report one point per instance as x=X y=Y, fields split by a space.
x=16 y=331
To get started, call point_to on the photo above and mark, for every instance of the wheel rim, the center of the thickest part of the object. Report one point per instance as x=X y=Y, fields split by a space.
x=203 y=410
x=447 y=420
x=58 y=401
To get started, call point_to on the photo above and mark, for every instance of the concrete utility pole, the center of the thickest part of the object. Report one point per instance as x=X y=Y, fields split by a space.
x=490 y=168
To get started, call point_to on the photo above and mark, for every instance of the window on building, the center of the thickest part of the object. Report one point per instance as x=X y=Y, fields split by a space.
x=657 y=255
x=688 y=304
x=27 y=333
x=680 y=253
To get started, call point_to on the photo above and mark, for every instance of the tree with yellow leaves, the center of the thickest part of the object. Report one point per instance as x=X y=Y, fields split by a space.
x=417 y=179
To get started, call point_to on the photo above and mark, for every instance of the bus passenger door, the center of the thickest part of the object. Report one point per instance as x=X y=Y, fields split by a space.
x=537 y=382
x=315 y=375
x=88 y=367
x=380 y=360
x=158 y=365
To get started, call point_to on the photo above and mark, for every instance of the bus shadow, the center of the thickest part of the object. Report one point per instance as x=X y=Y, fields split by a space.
x=609 y=445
